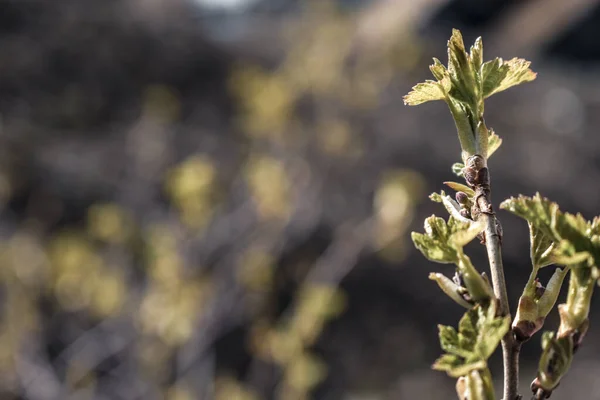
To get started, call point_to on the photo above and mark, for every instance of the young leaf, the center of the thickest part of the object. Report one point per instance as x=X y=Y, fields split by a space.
x=557 y=354
x=434 y=250
x=494 y=142
x=537 y=210
x=455 y=366
x=548 y=299
x=424 y=92
x=490 y=334
x=478 y=288
x=449 y=342
x=517 y=72
x=449 y=287
x=479 y=333
x=577 y=231
x=541 y=247
x=476 y=54
x=461 y=72
x=463 y=237
x=457 y=168
x=475 y=387
x=438 y=70
x=459 y=187
x=492 y=74
x=441 y=240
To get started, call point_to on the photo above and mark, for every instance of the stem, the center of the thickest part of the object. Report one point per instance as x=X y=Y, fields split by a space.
x=510 y=347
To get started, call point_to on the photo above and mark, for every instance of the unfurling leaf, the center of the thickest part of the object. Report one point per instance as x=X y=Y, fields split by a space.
x=476 y=385
x=459 y=187
x=449 y=287
x=433 y=249
x=424 y=92
x=442 y=240
x=512 y=73
x=457 y=168
x=541 y=247
x=476 y=54
x=438 y=70
x=557 y=354
x=548 y=299
x=537 y=210
x=479 y=333
x=493 y=72
x=571 y=234
x=449 y=341
x=463 y=237
x=462 y=75
x=464 y=85
x=494 y=142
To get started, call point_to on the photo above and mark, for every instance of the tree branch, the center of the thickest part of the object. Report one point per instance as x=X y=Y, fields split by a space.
x=510 y=347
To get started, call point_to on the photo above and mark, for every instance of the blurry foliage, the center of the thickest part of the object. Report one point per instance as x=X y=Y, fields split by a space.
x=154 y=273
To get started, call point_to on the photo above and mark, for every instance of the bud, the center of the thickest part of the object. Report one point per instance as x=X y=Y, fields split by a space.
x=476 y=162
x=470 y=175
x=462 y=198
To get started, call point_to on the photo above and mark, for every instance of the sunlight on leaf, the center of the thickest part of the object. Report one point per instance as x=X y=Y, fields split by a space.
x=424 y=92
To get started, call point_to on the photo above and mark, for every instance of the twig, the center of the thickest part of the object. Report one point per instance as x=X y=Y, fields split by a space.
x=510 y=347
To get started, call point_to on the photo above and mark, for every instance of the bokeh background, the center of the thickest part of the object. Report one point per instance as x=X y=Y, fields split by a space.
x=212 y=199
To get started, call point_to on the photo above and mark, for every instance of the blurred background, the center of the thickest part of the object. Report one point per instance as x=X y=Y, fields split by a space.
x=212 y=199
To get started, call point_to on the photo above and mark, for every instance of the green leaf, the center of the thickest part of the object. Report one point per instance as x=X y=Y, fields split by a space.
x=438 y=70
x=424 y=92
x=479 y=333
x=537 y=210
x=434 y=250
x=459 y=187
x=557 y=354
x=449 y=341
x=467 y=328
x=490 y=335
x=455 y=366
x=517 y=72
x=457 y=168
x=442 y=239
x=463 y=237
x=541 y=247
x=453 y=209
x=494 y=142
x=548 y=299
x=476 y=54
x=578 y=232
x=492 y=74
x=478 y=288
x=450 y=288
x=461 y=73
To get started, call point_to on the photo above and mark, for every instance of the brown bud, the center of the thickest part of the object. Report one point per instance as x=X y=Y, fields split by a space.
x=470 y=175
x=465 y=213
x=523 y=330
x=476 y=162
x=462 y=198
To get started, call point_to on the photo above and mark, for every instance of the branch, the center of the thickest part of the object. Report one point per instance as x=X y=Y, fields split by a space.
x=477 y=176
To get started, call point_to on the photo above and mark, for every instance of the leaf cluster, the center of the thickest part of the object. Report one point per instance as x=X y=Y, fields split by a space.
x=464 y=84
x=558 y=237
x=567 y=239
x=478 y=335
